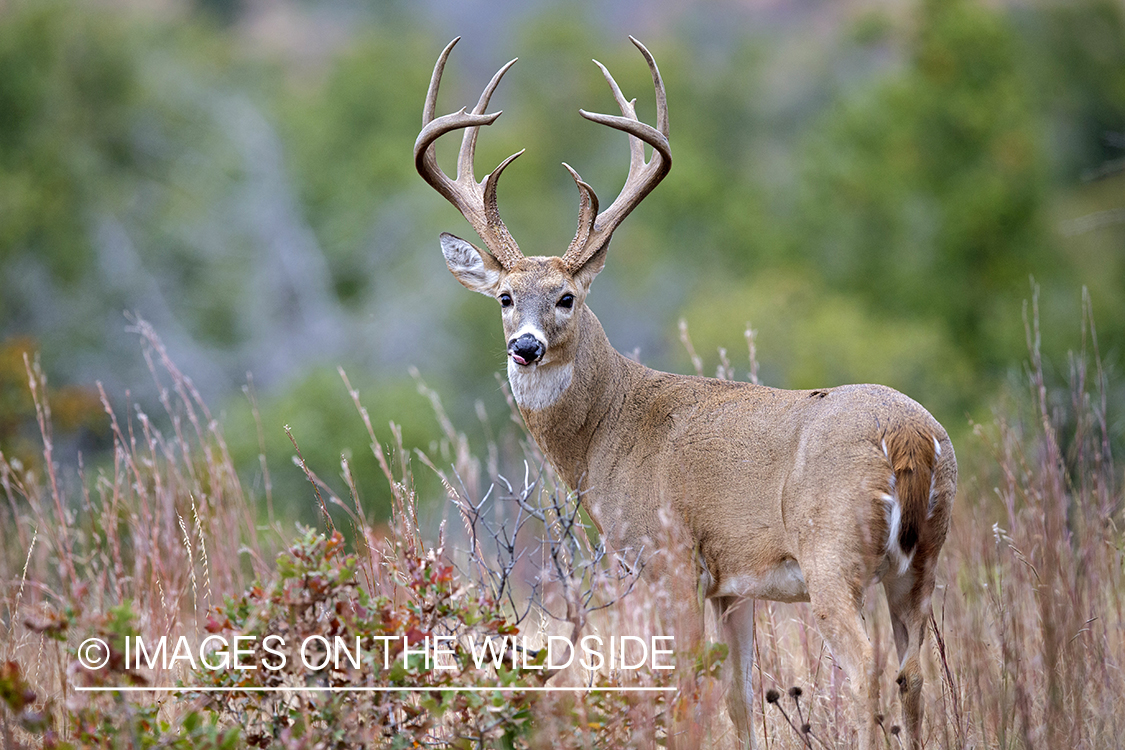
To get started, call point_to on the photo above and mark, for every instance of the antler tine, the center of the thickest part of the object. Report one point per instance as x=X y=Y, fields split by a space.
x=658 y=83
x=475 y=200
x=629 y=110
x=435 y=81
x=643 y=176
x=469 y=142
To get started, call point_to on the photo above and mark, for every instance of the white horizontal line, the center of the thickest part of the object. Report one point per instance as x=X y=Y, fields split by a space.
x=361 y=689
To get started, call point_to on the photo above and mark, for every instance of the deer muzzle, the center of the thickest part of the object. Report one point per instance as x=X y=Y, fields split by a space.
x=526 y=349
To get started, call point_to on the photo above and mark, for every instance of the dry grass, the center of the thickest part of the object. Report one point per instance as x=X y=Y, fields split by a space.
x=163 y=523
x=1026 y=650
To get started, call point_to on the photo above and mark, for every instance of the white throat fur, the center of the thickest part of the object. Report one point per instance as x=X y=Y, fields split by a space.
x=538 y=386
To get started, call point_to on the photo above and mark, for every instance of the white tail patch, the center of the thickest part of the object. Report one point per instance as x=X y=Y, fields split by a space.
x=537 y=386
x=933 y=482
x=933 y=495
x=893 y=550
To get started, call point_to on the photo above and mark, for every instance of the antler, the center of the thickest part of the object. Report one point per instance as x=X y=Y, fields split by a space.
x=595 y=229
x=475 y=200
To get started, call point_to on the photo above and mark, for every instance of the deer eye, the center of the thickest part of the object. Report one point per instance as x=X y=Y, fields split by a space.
x=505 y=300
x=567 y=301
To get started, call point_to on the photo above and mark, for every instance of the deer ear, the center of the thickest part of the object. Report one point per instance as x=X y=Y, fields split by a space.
x=585 y=274
x=473 y=267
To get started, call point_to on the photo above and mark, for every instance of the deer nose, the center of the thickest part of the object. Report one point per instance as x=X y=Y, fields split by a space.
x=526 y=349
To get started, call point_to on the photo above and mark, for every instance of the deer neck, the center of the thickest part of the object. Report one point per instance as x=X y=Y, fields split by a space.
x=569 y=405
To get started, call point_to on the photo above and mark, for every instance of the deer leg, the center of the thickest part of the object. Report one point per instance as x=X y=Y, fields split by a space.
x=840 y=621
x=910 y=622
x=735 y=618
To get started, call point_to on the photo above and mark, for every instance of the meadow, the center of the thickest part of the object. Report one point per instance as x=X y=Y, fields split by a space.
x=1026 y=645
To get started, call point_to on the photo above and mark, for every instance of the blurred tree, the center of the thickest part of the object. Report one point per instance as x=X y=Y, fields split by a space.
x=76 y=415
x=68 y=90
x=98 y=143
x=327 y=427
x=349 y=135
x=223 y=11
x=810 y=336
x=925 y=195
x=1075 y=53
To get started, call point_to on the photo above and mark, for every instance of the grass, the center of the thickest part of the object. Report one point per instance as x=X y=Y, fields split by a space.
x=162 y=538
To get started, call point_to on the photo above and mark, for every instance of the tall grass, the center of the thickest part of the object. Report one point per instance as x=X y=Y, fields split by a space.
x=1032 y=612
x=1026 y=648
x=162 y=522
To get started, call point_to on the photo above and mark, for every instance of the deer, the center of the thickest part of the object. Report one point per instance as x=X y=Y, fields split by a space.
x=784 y=495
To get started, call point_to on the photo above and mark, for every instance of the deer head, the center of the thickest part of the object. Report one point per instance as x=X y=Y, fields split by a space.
x=542 y=298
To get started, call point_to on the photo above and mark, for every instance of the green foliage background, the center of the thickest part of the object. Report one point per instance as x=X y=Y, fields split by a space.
x=873 y=200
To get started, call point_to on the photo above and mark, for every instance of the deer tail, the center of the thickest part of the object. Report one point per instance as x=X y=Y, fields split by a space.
x=913 y=454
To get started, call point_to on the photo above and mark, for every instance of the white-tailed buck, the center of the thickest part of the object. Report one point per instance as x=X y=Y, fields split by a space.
x=785 y=495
